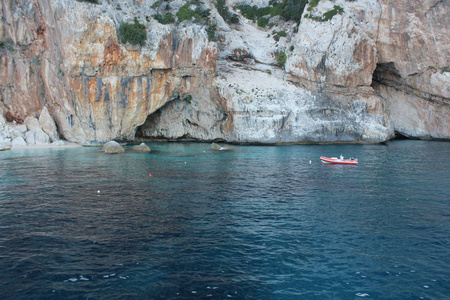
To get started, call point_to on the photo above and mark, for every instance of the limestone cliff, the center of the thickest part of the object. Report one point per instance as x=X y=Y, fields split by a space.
x=413 y=74
x=374 y=68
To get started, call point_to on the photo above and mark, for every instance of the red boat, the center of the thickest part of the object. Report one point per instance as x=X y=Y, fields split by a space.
x=341 y=160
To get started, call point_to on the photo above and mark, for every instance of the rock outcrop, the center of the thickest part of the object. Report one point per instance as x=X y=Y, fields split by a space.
x=112 y=147
x=66 y=57
x=218 y=147
x=413 y=74
x=31 y=132
x=142 y=147
x=373 y=69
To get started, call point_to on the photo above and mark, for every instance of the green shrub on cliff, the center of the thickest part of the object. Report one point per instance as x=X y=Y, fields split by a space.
x=263 y=22
x=279 y=34
x=225 y=13
x=290 y=10
x=133 y=33
x=197 y=15
x=326 y=15
x=7 y=44
x=312 y=4
x=187 y=98
x=281 y=59
x=185 y=13
x=211 y=32
x=331 y=13
x=254 y=12
x=157 y=4
x=293 y=9
x=167 y=18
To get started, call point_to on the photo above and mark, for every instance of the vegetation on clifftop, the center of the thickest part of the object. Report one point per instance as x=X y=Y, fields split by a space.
x=133 y=33
x=326 y=15
x=289 y=10
x=197 y=15
x=190 y=11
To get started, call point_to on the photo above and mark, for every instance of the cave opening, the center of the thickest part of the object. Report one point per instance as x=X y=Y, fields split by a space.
x=384 y=74
x=401 y=136
x=142 y=132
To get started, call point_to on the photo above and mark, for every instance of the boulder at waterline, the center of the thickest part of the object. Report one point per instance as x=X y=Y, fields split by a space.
x=142 y=148
x=218 y=147
x=112 y=147
x=18 y=142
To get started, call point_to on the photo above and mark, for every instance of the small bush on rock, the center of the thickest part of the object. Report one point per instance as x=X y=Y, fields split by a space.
x=197 y=15
x=223 y=10
x=327 y=15
x=211 y=31
x=135 y=34
x=281 y=59
x=290 y=10
x=279 y=34
x=167 y=18
x=7 y=44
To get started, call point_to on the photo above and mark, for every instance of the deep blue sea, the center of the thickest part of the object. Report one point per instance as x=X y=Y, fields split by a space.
x=258 y=222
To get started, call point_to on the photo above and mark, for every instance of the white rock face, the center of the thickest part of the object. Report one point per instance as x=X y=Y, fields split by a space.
x=32 y=123
x=35 y=134
x=341 y=51
x=5 y=142
x=48 y=125
x=30 y=138
x=20 y=135
x=277 y=111
x=18 y=142
x=262 y=107
x=2 y=119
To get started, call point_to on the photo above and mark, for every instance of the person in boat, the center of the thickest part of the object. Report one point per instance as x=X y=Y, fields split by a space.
x=341 y=157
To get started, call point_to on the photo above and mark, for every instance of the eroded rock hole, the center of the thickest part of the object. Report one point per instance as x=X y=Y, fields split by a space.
x=384 y=73
x=144 y=132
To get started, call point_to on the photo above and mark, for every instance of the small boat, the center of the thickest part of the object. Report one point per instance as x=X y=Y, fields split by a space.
x=341 y=160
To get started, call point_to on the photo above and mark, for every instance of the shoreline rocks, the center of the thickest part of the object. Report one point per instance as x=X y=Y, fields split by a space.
x=31 y=132
x=112 y=147
x=143 y=148
x=217 y=147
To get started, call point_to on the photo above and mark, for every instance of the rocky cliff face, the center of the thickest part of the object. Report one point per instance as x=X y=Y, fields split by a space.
x=412 y=74
x=373 y=69
x=65 y=55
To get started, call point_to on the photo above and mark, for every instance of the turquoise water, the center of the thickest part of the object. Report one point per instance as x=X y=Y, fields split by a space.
x=254 y=223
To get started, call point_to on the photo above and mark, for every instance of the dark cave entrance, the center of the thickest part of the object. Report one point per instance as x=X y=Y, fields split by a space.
x=401 y=136
x=143 y=131
x=385 y=74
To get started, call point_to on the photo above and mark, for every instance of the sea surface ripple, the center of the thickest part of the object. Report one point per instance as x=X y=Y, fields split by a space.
x=258 y=222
